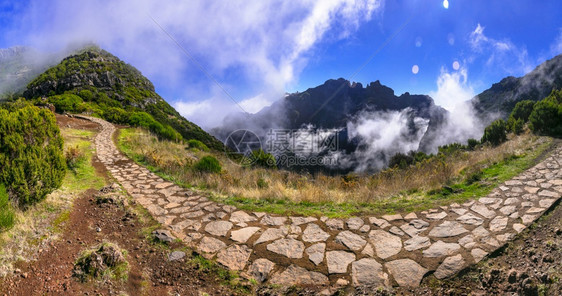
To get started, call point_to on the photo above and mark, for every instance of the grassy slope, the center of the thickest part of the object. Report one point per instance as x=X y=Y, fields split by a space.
x=475 y=180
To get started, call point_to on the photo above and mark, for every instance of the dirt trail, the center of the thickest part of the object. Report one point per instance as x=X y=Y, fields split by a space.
x=151 y=273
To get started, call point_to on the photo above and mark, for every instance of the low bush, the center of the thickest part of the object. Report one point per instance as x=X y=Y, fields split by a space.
x=196 y=144
x=146 y=120
x=74 y=156
x=546 y=118
x=262 y=159
x=450 y=148
x=495 y=133
x=67 y=103
x=208 y=164
x=472 y=143
x=32 y=163
x=400 y=160
x=522 y=110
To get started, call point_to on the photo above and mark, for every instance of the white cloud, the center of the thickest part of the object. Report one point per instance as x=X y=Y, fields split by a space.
x=454 y=94
x=502 y=54
x=452 y=89
x=556 y=46
x=477 y=38
x=381 y=135
x=263 y=43
x=255 y=104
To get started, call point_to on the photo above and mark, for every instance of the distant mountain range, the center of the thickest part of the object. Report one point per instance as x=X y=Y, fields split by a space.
x=500 y=99
x=337 y=105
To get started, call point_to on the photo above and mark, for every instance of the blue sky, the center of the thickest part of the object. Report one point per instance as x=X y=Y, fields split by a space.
x=257 y=50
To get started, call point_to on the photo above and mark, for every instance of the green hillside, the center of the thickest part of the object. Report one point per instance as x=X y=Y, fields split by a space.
x=93 y=81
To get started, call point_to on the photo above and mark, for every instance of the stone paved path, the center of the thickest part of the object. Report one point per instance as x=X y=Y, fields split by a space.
x=381 y=251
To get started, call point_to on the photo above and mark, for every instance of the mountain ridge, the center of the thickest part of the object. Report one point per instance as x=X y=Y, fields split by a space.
x=502 y=96
x=113 y=90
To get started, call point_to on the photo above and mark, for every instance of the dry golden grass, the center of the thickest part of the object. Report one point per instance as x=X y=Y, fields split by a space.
x=174 y=160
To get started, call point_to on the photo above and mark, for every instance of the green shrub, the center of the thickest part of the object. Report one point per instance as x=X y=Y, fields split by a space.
x=146 y=120
x=400 y=160
x=516 y=126
x=450 y=148
x=472 y=143
x=495 y=133
x=67 y=103
x=208 y=164
x=522 y=110
x=32 y=163
x=116 y=115
x=196 y=144
x=7 y=216
x=86 y=95
x=262 y=159
x=74 y=157
x=546 y=117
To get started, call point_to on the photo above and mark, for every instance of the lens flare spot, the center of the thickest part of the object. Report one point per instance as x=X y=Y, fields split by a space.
x=456 y=65
x=446 y=4
x=419 y=42
x=415 y=69
x=451 y=39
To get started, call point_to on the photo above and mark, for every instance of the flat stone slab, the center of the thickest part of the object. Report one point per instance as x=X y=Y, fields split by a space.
x=416 y=243
x=470 y=219
x=368 y=272
x=210 y=245
x=287 y=247
x=313 y=233
x=351 y=240
x=440 y=249
x=338 y=261
x=234 y=257
x=386 y=244
x=448 y=229
x=406 y=272
x=379 y=222
x=242 y=235
x=483 y=210
x=450 y=266
x=302 y=220
x=354 y=223
x=218 y=228
x=273 y=221
x=260 y=269
x=295 y=275
x=335 y=224
x=176 y=255
x=271 y=234
x=316 y=253
x=241 y=217
x=478 y=254
x=498 y=224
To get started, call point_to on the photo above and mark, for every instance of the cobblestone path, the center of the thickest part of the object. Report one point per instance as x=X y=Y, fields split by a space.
x=379 y=251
